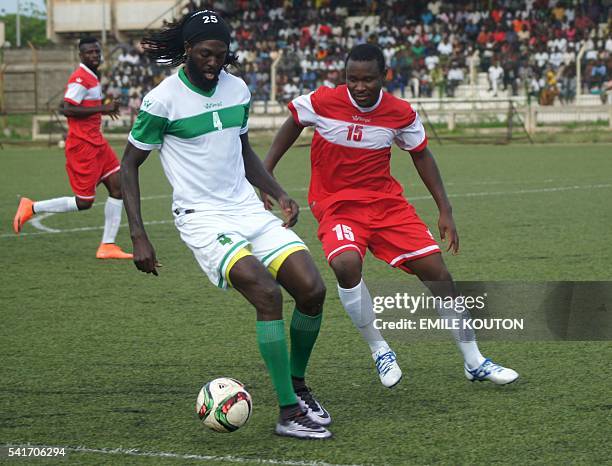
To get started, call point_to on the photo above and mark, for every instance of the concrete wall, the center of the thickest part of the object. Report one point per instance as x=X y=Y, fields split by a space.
x=35 y=80
x=69 y=17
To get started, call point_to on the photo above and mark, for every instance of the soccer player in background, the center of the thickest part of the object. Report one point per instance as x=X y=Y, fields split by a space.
x=360 y=206
x=198 y=119
x=90 y=160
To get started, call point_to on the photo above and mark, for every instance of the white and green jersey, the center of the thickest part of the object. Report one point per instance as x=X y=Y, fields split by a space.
x=198 y=134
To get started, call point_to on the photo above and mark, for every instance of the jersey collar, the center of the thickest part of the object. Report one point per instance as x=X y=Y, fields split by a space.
x=88 y=70
x=183 y=77
x=365 y=109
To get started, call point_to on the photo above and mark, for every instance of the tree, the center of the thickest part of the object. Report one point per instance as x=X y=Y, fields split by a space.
x=33 y=24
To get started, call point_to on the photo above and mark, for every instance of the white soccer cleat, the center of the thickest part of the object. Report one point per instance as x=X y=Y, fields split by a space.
x=491 y=371
x=386 y=364
x=302 y=427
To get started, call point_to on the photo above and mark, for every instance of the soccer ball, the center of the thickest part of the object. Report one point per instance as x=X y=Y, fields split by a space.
x=224 y=405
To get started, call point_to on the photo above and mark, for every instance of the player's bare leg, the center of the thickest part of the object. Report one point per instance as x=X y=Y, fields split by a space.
x=257 y=285
x=112 y=219
x=83 y=204
x=357 y=302
x=432 y=271
x=347 y=268
x=300 y=277
x=254 y=282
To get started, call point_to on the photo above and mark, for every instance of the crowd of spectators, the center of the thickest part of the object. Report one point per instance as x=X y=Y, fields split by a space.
x=430 y=47
x=130 y=77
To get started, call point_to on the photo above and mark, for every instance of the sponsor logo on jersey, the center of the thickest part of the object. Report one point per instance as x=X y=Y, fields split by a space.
x=361 y=119
x=210 y=105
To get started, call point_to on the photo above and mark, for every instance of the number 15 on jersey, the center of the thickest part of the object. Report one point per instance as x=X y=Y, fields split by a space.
x=355 y=133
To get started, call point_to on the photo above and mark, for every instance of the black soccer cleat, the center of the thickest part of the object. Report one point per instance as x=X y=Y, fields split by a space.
x=312 y=407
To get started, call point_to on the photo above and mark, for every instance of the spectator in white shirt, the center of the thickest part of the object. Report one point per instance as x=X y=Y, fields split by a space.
x=556 y=58
x=568 y=57
x=496 y=73
x=431 y=61
x=455 y=77
x=445 y=47
x=290 y=91
x=541 y=58
x=434 y=7
x=415 y=84
x=389 y=52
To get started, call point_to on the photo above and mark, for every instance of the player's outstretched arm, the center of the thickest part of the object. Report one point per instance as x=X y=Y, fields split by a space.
x=76 y=111
x=284 y=139
x=427 y=168
x=144 y=254
x=257 y=175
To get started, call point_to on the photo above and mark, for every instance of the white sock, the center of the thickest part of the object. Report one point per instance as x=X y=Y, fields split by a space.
x=471 y=354
x=112 y=219
x=358 y=304
x=57 y=205
x=465 y=339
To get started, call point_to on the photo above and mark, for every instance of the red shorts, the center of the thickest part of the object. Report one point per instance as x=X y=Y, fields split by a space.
x=390 y=228
x=87 y=165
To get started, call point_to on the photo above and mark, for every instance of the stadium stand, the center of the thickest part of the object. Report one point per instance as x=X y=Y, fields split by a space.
x=433 y=49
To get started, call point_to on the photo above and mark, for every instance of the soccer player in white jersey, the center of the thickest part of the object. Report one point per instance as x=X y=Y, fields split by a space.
x=198 y=119
x=360 y=206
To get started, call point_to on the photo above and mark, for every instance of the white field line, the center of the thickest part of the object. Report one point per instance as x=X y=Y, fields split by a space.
x=305 y=188
x=520 y=191
x=162 y=454
x=36 y=222
x=47 y=230
x=475 y=194
x=75 y=230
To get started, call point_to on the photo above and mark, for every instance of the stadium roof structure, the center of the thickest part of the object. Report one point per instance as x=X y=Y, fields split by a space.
x=67 y=19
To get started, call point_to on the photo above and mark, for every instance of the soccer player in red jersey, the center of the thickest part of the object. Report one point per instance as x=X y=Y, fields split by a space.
x=90 y=160
x=360 y=206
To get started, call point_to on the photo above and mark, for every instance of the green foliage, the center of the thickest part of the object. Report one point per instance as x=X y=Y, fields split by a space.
x=33 y=23
x=99 y=355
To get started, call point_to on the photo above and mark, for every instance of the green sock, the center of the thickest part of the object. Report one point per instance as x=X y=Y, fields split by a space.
x=304 y=331
x=273 y=348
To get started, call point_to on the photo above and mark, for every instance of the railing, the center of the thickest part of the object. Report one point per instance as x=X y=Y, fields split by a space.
x=527 y=120
x=176 y=5
x=579 y=70
x=58 y=120
x=273 y=67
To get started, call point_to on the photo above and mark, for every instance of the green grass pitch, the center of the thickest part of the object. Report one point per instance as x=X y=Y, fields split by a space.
x=100 y=356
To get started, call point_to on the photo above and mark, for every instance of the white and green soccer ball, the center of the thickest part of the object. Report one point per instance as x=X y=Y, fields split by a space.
x=224 y=405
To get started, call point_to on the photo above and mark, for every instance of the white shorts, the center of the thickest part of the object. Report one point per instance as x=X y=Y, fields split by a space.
x=216 y=238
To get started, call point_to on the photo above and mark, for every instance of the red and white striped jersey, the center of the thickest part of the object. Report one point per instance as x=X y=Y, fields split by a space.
x=351 y=146
x=84 y=89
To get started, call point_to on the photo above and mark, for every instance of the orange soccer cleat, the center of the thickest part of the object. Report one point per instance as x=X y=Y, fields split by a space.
x=111 y=251
x=24 y=213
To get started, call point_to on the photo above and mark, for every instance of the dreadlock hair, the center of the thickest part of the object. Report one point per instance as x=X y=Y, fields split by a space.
x=167 y=47
x=367 y=52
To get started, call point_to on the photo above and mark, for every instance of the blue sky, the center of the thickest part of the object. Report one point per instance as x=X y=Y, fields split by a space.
x=10 y=6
